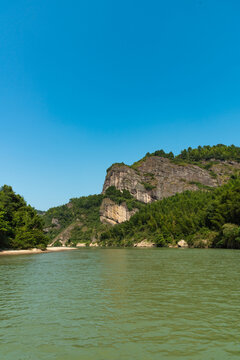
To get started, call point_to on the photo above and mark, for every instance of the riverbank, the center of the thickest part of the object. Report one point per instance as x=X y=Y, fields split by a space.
x=36 y=251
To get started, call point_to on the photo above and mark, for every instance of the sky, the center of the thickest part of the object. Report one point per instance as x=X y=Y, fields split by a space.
x=84 y=84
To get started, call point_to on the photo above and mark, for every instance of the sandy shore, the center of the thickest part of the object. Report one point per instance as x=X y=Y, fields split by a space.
x=35 y=251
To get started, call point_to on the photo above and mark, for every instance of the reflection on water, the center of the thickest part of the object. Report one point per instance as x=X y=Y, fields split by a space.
x=120 y=304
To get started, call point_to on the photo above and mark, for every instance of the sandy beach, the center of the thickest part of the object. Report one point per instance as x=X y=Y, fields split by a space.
x=36 y=251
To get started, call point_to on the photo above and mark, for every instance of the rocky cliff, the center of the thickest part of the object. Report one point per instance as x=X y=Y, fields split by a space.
x=128 y=188
x=112 y=213
x=155 y=177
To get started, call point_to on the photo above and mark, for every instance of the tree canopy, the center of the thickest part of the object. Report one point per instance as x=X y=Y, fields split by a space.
x=20 y=226
x=195 y=156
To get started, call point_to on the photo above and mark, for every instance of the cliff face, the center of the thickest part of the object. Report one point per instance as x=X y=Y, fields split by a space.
x=113 y=214
x=123 y=177
x=155 y=177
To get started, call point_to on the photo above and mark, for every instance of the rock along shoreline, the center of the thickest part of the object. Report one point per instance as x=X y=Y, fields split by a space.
x=36 y=251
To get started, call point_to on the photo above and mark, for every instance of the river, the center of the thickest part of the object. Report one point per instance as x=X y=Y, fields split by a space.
x=100 y=304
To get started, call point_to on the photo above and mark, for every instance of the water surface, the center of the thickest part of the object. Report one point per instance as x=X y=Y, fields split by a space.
x=120 y=304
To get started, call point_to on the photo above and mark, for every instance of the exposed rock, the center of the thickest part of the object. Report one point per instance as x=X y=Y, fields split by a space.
x=155 y=177
x=81 y=244
x=124 y=177
x=93 y=244
x=55 y=223
x=144 y=243
x=182 y=244
x=112 y=213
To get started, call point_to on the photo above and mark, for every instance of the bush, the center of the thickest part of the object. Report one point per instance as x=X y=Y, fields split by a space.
x=229 y=237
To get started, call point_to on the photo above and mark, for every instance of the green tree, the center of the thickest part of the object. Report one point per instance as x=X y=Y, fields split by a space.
x=20 y=226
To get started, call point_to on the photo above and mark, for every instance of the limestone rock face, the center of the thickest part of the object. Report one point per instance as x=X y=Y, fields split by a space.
x=155 y=177
x=123 y=177
x=113 y=214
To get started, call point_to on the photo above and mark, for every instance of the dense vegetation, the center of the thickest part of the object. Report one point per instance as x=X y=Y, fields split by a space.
x=196 y=156
x=202 y=218
x=81 y=216
x=124 y=196
x=20 y=225
x=217 y=152
x=203 y=153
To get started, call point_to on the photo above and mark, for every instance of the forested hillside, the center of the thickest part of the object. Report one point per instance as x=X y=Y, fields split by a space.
x=203 y=218
x=20 y=225
x=79 y=220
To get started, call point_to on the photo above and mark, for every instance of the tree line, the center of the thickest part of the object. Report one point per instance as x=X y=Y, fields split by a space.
x=218 y=152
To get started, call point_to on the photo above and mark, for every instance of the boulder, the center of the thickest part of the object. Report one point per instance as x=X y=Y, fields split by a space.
x=182 y=244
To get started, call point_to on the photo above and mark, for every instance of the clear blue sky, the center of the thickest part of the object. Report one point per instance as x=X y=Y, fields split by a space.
x=87 y=83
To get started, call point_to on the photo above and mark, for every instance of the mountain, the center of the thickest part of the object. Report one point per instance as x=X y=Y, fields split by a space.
x=129 y=190
x=160 y=175
x=202 y=218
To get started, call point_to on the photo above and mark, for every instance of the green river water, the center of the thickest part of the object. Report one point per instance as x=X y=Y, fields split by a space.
x=121 y=304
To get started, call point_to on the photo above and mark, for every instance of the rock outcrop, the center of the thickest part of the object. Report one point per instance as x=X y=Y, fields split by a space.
x=81 y=244
x=182 y=244
x=112 y=213
x=155 y=178
x=93 y=244
x=144 y=244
